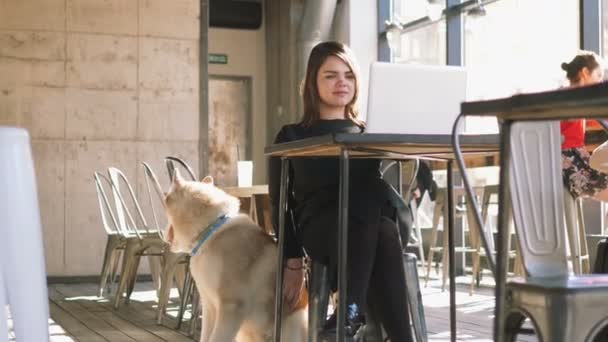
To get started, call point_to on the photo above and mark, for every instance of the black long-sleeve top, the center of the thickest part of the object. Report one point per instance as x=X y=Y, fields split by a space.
x=314 y=182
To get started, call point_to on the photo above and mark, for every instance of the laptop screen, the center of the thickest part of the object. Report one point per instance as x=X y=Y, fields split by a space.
x=414 y=99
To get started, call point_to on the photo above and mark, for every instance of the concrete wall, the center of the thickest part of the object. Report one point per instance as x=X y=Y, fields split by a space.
x=97 y=84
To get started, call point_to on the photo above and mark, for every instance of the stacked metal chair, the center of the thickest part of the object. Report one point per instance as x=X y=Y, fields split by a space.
x=141 y=240
x=171 y=262
x=189 y=294
x=115 y=242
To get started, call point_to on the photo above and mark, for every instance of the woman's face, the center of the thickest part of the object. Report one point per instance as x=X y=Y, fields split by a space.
x=593 y=76
x=336 y=83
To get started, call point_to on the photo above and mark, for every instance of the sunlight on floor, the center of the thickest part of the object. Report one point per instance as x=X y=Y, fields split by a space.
x=445 y=336
x=433 y=297
x=139 y=296
x=56 y=332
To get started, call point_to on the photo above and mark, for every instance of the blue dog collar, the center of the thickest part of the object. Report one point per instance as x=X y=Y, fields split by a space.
x=207 y=232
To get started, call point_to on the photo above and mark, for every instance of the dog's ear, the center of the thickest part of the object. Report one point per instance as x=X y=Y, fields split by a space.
x=177 y=178
x=208 y=180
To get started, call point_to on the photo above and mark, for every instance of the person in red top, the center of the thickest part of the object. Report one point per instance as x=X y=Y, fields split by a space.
x=581 y=180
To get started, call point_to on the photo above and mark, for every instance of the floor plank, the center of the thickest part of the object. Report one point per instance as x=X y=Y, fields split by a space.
x=86 y=316
x=72 y=326
x=77 y=314
x=137 y=333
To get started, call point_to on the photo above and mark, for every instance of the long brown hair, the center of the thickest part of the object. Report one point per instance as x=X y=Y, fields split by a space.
x=310 y=91
x=584 y=59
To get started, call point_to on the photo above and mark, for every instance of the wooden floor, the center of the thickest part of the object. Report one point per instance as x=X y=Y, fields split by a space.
x=77 y=314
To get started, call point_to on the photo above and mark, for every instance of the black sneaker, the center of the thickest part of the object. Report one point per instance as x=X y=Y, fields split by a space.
x=354 y=321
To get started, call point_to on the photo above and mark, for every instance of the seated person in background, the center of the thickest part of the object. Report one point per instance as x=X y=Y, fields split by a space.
x=424 y=183
x=375 y=264
x=581 y=180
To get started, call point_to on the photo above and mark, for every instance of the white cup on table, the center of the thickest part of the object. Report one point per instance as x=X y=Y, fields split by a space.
x=244 y=173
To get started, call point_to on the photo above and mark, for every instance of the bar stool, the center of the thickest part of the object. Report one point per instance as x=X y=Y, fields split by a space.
x=577 y=237
x=439 y=212
x=488 y=192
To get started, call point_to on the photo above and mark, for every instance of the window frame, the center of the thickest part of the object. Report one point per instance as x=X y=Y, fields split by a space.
x=590 y=27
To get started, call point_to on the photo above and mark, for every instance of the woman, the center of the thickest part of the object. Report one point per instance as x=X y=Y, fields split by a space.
x=581 y=180
x=329 y=93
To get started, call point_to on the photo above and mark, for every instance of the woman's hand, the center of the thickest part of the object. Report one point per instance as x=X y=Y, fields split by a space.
x=293 y=282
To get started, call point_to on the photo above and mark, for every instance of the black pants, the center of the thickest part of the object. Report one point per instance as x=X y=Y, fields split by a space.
x=375 y=265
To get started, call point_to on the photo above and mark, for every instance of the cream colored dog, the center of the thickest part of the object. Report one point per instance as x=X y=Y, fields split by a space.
x=234 y=267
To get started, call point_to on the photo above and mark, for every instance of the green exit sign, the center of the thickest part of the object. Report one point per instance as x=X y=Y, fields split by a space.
x=217 y=58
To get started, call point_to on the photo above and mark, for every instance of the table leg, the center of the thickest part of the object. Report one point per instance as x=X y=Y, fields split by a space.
x=504 y=210
x=342 y=242
x=278 y=305
x=451 y=257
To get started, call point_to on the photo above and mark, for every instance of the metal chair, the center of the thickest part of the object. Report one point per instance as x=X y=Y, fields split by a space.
x=394 y=173
x=171 y=163
x=115 y=242
x=141 y=240
x=170 y=269
x=414 y=296
x=410 y=262
x=189 y=293
x=561 y=307
x=415 y=239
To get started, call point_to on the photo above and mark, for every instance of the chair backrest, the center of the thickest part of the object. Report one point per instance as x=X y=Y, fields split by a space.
x=153 y=186
x=410 y=171
x=392 y=173
x=172 y=162
x=401 y=175
x=537 y=197
x=105 y=207
x=125 y=219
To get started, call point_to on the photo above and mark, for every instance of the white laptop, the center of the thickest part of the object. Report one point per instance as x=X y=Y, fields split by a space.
x=414 y=99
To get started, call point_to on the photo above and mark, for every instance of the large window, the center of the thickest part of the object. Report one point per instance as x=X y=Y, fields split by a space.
x=426 y=45
x=519 y=46
x=409 y=10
